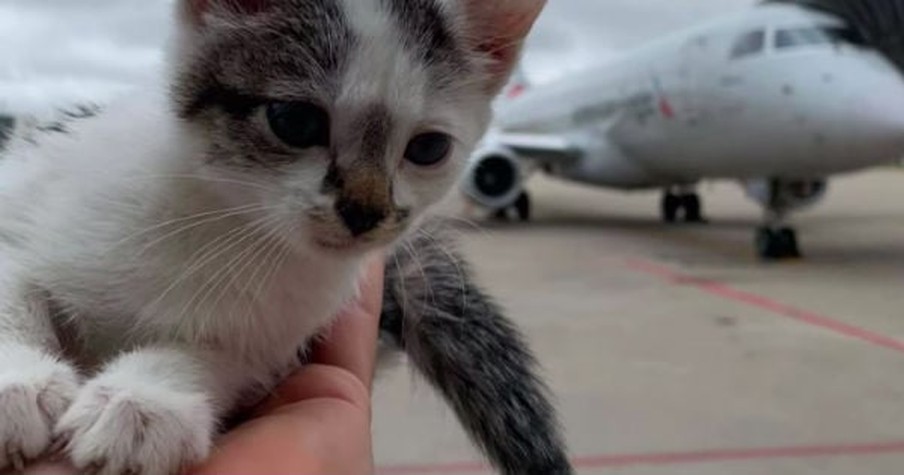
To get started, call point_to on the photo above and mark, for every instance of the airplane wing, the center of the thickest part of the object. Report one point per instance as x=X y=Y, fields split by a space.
x=878 y=23
x=540 y=148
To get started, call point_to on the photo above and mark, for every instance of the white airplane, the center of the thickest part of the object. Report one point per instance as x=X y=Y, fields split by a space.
x=780 y=98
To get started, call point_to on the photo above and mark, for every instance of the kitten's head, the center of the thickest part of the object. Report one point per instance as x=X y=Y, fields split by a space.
x=345 y=120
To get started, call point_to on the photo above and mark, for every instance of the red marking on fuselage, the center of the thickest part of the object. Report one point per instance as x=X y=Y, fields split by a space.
x=666 y=109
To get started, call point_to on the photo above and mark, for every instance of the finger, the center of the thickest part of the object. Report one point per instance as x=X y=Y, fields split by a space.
x=317 y=422
x=351 y=343
x=317 y=437
x=316 y=381
x=49 y=468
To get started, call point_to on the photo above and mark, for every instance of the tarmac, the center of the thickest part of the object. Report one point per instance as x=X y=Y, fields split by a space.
x=675 y=351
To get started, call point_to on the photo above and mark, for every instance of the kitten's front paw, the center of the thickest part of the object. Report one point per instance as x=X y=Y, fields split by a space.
x=136 y=429
x=35 y=390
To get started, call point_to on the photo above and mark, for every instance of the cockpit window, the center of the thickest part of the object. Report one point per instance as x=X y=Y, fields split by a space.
x=811 y=36
x=749 y=44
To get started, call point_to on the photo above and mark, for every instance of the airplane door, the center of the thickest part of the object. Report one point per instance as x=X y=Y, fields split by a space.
x=695 y=74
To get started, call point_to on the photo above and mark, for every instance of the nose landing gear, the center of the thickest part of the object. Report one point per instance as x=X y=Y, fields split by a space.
x=774 y=244
x=775 y=240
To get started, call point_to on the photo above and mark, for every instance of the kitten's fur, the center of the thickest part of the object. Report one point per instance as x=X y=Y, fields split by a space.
x=161 y=265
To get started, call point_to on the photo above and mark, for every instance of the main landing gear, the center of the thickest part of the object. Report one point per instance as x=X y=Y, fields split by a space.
x=682 y=206
x=775 y=240
x=521 y=207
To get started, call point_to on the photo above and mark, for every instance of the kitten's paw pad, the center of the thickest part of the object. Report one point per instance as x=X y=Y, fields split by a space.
x=136 y=429
x=32 y=398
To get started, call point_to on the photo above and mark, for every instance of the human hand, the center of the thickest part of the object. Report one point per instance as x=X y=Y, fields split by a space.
x=318 y=421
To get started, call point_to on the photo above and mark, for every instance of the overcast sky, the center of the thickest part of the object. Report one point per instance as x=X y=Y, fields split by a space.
x=56 y=52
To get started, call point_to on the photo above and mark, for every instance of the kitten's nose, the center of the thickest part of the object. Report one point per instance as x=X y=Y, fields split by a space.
x=359 y=218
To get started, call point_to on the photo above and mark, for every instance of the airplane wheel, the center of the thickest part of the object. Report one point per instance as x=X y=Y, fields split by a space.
x=767 y=244
x=693 y=208
x=523 y=206
x=777 y=244
x=671 y=204
x=788 y=237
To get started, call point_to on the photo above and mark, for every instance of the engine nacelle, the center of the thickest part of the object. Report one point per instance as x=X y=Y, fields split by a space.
x=495 y=177
x=787 y=194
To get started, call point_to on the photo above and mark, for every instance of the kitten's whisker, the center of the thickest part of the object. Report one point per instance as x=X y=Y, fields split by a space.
x=194 y=266
x=274 y=249
x=225 y=271
x=217 y=213
x=249 y=232
x=263 y=244
x=455 y=262
x=203 y=178
x=253 y=266
x=205 y=255
x=403 y=290
x=229 y=272
x=416 y=260
x=266 y=282
x=215 y=217
x=469 y=223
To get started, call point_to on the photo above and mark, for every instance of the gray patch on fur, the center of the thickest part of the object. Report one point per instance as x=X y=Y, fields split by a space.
x=428 y=34
x=376 y=125
x=425 y=29
x=305 y=43
x=296 y=40
x=462 y=343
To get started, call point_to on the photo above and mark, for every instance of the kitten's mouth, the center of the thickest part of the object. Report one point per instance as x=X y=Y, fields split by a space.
x=348 y=246
x=335 y=245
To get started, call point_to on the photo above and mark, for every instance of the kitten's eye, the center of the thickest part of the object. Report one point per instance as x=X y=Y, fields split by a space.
x=299 y=124
x=428 y=149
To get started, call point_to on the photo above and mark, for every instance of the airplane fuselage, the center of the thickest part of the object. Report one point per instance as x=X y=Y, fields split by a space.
x=775 y=92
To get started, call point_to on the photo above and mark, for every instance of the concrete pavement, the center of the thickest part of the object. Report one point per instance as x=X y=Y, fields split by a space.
x=673 y=350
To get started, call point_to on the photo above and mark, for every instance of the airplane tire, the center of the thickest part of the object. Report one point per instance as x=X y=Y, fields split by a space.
x=693 y=208
x=777 y=244
x=788 y=237
x=523 y=206
x=766 y=244
x=671 y=205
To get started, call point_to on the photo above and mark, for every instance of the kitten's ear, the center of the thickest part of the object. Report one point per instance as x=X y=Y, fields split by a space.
x=497 y=29
x=194 y=11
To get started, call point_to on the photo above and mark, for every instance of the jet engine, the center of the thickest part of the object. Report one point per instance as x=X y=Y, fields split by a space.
x=495 y=178
x=787 y=195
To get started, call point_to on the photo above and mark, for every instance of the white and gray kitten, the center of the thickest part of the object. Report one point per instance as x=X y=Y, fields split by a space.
x=162 y=264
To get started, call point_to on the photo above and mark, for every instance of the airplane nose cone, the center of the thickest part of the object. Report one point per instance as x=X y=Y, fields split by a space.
x=879 y=118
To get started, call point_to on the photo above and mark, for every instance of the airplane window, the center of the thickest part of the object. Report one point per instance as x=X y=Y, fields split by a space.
x=749 y=44
x=847 y=35
x=810 y=36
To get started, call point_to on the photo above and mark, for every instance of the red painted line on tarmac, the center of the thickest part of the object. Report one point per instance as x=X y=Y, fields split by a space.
x=672 y=458
x=765 y=303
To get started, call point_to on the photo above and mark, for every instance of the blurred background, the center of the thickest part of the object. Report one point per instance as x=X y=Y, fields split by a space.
x=58 y=51
x=673 y=345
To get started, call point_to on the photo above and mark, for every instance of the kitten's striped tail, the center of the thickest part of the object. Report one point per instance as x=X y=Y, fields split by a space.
x=460 y=341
